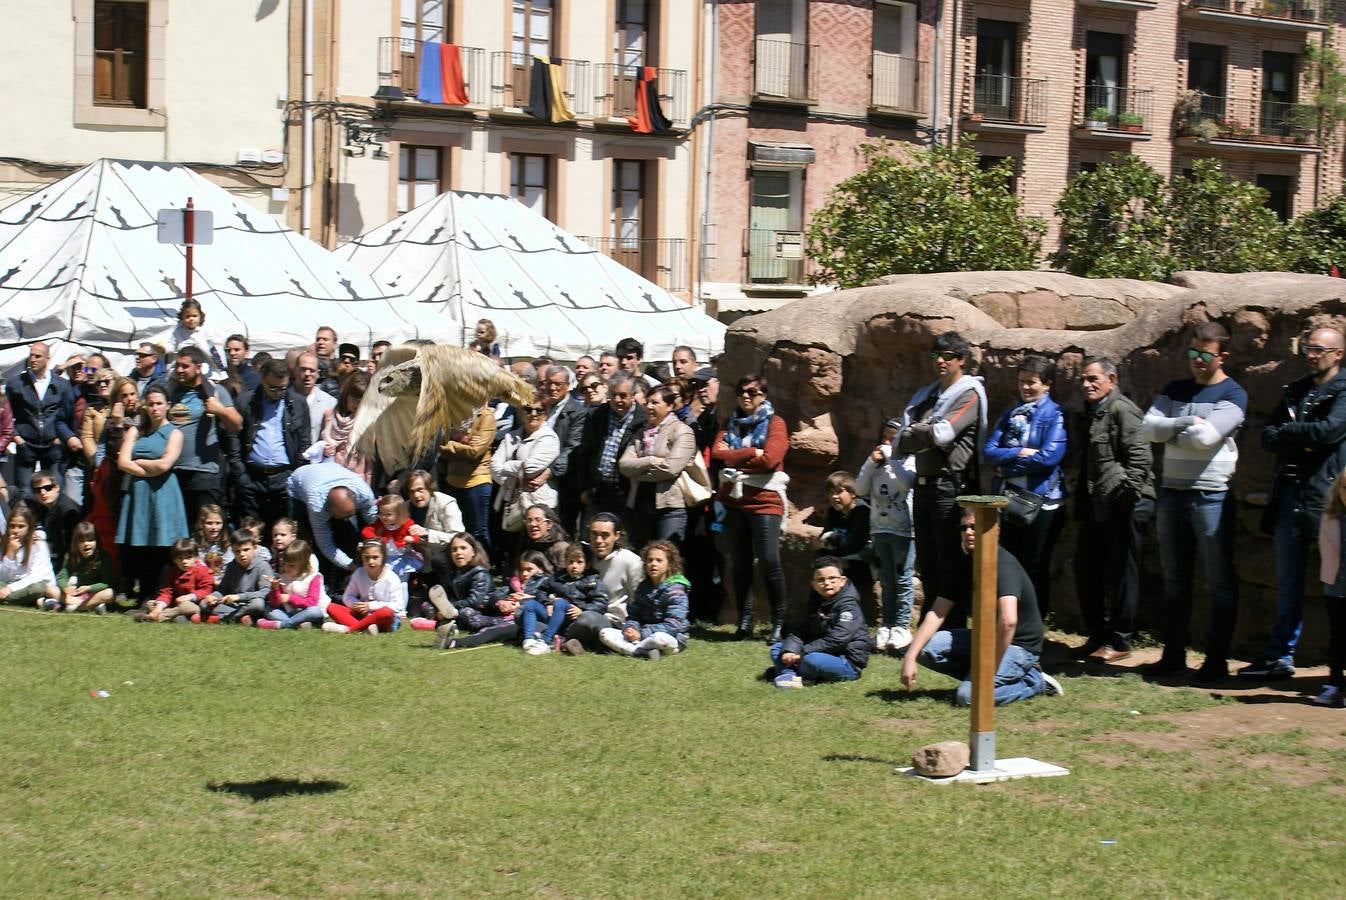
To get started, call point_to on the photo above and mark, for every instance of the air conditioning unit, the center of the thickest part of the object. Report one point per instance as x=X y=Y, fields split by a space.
x=249 y=157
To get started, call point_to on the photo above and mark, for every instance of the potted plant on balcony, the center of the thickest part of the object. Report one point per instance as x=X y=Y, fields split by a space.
x=1097 y=118
x=1187 y=112
x=1301 y=120
x=1131 y=122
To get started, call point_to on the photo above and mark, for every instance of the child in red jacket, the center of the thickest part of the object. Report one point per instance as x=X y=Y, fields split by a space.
x=184 y=584
x=393 y=529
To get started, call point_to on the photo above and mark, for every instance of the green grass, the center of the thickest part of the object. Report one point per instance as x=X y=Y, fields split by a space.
x=490 y=772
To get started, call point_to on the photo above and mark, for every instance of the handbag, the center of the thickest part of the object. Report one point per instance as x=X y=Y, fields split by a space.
x=694 y=482
x=1024 y=505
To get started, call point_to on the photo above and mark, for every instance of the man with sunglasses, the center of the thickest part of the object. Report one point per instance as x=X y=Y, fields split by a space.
x=56 y=515
x=1196 y=420
x=272 y=441
x=1307 y=432
x=148 y=369
x=943 y=427
x=1019 y=629
x=43 y=405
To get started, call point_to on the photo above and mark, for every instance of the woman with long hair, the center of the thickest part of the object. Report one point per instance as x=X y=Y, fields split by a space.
x=337 y=423
x=153 y=515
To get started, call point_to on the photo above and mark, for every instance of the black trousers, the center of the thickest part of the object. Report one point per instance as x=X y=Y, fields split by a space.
x=935 y=515
x=199 y=489
x=1107 y=572
x=265 y=496
x=756 y=537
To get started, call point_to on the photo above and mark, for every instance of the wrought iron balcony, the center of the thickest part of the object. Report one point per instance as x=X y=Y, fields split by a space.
x=782 y=72
x=900 y=84
x=1306 y=15
x=1006 y=98
x=400 y=61
x=1119 y=108
x=774 y=257
x=1252 y=120
x=661 y=260
x=511 y=82
x=615 y=92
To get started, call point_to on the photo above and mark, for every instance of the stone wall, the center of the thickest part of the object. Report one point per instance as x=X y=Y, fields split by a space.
x=840 y=364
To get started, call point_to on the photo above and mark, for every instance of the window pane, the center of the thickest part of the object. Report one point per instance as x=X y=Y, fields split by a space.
x=403 y=192
x=424 y=191
x=535 y=171
x=404 y=159
x=427 y=164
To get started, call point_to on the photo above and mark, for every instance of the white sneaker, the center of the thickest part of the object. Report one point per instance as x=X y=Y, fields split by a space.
x=1054 y=688
x=334 y=628
x=788 y=680
x=881 y=638
x=372 y=629
x=899 y=638
x=535 y=647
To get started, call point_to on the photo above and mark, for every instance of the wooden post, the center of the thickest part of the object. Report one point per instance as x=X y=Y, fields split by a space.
x=981 y=739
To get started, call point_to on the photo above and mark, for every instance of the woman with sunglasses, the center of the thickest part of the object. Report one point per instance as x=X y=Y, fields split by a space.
x=521 y=464
x=751 y=447
x=594 y=390
x=96 y=410
x=153 y=515
x=653 y=462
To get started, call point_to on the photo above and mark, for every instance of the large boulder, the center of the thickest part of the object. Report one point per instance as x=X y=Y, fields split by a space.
x=839 y=364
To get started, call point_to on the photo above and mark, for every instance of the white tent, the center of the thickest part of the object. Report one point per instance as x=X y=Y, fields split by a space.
x=80 y=262
x=474 y=256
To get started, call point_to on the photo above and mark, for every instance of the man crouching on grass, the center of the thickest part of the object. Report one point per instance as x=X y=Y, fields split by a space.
x=832 y=642
x=1018 y=675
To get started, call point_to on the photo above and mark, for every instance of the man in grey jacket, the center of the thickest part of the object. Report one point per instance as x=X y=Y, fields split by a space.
x=1114 y=500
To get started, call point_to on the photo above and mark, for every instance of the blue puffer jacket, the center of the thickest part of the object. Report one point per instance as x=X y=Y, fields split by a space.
x=663 y=608
x=1046 y=434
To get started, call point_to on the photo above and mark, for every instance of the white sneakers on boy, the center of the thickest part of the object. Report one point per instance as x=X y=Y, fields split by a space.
x=881 y=638
x=899 y=638
x=535 y=647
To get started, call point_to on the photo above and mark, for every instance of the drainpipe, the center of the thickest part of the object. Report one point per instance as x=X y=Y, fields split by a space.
x=708 y=154
x=953 y=71
x=306 y=164
x=936 y=131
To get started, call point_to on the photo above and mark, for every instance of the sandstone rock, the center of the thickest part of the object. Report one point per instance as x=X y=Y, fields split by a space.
x=1097 y=313
x=1042 y=309
x=847 y=360
x=1002 y=307
x=941 y=760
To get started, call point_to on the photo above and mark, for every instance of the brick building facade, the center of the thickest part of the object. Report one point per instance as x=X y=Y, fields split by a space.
x=797 y=86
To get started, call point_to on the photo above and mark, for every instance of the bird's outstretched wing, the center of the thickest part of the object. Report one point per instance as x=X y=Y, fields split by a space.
x=417 y=392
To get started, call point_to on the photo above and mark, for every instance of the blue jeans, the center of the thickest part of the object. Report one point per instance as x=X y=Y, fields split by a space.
x=310 y=614
x=818 y=666
x=1017 y=678
x=533 y=610
x=1192 y=523
x=1292 y=557
x=476 y=506
x=895 y=555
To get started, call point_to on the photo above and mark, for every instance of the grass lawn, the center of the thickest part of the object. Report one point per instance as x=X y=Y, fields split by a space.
x=491 y=772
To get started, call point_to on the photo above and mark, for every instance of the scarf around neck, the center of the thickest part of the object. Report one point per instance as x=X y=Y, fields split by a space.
x=749 y=430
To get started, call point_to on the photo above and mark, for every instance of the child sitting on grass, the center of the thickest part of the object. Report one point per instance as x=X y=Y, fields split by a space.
x=496 y=619
x=241 y=594
x=296 y=598
x=85 y=580
x=184 y=582
x=26 y=575
x=211 y=542
x=374 y=599
x=656 y=619
x=466 y=582
x=831 y=643
x=571 y=591
x=393 y=529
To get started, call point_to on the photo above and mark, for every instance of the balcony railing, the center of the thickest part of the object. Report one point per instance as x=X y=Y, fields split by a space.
x=774 y=257
x=1120 y=107
x=1257 y=121
x=615 y=92
x=782 y=71
x=511 y=81
x=661 y=260
x=900 y=83
x=400 y=62
x=1312 y=12
x=1005 y=98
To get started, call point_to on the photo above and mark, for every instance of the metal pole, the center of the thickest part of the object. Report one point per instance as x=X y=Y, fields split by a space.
x=189 y=236
x=981 y=739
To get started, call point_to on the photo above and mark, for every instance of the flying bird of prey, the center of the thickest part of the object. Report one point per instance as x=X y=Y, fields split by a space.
x=417 y=392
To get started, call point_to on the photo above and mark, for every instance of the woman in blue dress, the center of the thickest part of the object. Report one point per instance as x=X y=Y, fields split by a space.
x=152 y=512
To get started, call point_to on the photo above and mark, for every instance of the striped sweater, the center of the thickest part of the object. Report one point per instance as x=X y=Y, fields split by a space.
x=1198 y=456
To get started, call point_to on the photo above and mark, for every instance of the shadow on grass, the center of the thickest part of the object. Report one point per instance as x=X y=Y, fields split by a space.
x=1257 y=699
x=720 y=634
x=270 y=788
x=889 y=695
x=851 y=757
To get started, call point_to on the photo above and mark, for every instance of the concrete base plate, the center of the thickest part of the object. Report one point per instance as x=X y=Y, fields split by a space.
x=1005 y=770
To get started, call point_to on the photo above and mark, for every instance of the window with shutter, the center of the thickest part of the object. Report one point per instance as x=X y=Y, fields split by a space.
x=121 y=38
